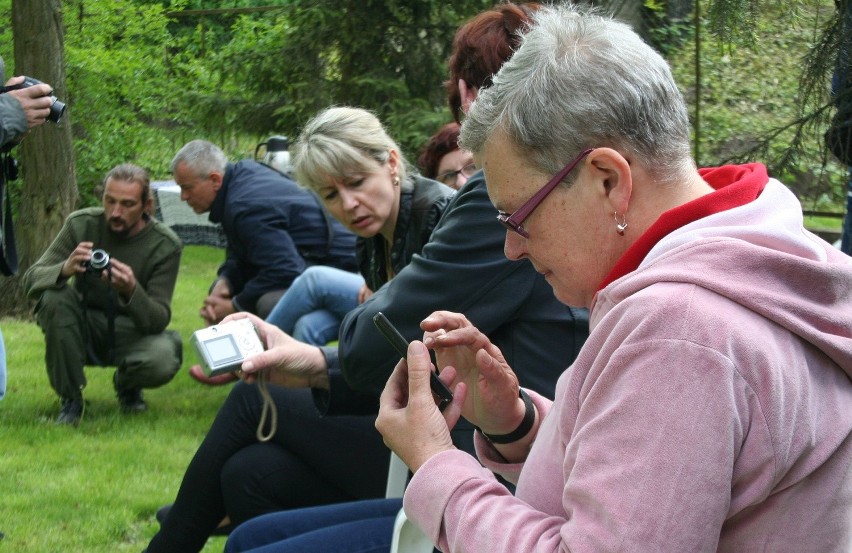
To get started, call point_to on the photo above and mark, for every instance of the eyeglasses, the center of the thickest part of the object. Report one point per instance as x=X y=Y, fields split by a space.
x=449 y=177
x=514 y=221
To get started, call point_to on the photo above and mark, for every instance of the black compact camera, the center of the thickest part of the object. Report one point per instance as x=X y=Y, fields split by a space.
x=57 y=108
x=98 y=263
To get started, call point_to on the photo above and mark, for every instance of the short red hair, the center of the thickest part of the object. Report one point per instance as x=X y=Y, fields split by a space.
x=482 y=45
x=442 y=142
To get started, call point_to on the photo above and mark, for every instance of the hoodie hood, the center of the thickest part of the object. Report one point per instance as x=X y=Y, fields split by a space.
x=760 y=256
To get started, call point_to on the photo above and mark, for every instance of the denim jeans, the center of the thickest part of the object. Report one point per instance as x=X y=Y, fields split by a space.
x=354 y=527
x=314 y=306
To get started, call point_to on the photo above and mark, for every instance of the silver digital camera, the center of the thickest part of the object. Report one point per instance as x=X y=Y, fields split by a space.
x=223 y=347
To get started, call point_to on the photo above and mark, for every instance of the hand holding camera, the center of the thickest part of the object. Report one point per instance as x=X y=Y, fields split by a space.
x=86 y=259
x=78 y=260
x=98 y=262
x=225 y=347
x=285 y=362
x=119 y=275
x=222 y=348
x=37 y=99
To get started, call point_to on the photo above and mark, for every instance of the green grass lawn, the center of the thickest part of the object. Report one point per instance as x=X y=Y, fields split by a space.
x=96 y=487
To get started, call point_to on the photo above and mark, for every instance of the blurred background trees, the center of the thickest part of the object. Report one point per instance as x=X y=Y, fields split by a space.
x=142 y=77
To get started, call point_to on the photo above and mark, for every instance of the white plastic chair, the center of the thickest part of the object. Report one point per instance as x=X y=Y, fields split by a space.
x=407 y=538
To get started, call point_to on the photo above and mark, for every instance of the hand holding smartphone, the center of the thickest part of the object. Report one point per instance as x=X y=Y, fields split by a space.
x=400 y=344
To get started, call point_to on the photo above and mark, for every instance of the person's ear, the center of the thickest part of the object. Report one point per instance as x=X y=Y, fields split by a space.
x=216 y=178
x=467 y=94
x=613 y=178
x=393 y=164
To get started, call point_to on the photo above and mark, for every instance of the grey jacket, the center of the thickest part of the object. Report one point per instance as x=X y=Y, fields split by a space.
x=13 y=120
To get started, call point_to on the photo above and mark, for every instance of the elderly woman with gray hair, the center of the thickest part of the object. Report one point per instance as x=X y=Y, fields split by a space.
x=711 y=407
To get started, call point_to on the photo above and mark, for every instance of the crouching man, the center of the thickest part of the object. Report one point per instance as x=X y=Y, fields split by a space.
x=104 y=290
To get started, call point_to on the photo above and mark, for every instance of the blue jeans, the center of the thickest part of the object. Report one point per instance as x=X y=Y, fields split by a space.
x=2 y=367
x=314 y=306
x=353 y=527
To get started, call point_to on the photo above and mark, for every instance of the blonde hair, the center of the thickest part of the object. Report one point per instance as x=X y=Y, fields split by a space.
x=339 y=142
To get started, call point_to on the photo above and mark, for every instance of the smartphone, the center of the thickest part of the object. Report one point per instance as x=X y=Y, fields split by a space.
x=400 y=344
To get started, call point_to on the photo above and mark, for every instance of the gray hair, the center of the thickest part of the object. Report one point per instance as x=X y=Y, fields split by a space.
x=581 y=80
x=339 y=142
x=201 y=157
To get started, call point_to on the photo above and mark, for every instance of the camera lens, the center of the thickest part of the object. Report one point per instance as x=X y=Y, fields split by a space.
x=57 y=108
x=99 y=260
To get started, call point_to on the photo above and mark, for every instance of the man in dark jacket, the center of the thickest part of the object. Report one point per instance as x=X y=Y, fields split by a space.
x=274 y=229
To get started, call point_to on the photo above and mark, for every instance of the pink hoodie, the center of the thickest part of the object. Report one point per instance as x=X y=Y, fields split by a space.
x=710 y=408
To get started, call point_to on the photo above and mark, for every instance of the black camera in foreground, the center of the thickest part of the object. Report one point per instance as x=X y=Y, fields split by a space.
x=98 y=263
x=57 y=108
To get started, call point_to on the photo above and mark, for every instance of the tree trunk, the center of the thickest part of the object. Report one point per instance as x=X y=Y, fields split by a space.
x=48 y=191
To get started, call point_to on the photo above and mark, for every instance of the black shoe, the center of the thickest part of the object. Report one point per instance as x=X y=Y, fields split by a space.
x=131 y=401
x=71 y=412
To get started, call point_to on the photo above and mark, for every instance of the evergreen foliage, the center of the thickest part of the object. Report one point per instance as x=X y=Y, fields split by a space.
x=148 y=76
x=145 y=76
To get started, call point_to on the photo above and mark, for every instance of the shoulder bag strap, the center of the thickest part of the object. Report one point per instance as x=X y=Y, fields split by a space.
x=8 y=251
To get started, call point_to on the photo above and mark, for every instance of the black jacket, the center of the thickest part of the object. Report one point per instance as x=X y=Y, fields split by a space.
x=461 y=269
x=274 y=229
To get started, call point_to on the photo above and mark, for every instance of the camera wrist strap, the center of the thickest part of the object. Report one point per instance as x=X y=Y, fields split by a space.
x=269 y=411
x=110 y=317
x=110 y=313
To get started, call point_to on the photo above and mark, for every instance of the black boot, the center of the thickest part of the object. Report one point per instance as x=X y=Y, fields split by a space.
x=129 y=400
x=71 y=411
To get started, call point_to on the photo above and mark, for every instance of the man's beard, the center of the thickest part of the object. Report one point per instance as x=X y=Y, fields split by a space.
x=125 y=230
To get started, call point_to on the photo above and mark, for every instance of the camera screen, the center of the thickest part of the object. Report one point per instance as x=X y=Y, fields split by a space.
x=222 y=350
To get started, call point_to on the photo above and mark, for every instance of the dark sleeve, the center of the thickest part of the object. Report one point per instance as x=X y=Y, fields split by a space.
x=13 y=120
x=230 y=271
x=340 y=398
x=150 y=305
x=46 y=271
x=461 y=269
x=269 y=251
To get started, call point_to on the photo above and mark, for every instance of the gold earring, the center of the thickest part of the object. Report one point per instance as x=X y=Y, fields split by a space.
x=620 y=227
